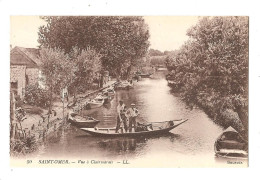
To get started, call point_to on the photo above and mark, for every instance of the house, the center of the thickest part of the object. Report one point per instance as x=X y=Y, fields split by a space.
x=24 y=69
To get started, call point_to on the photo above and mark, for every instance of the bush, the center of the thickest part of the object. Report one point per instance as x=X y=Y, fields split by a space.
x=23 y=146
x=34 y=110
x=36 y=96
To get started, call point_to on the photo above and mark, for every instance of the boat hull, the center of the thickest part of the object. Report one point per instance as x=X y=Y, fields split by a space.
x=145 y=75
x=110 y=132
x=231 y=148
x=82 y=121
x=87 y=124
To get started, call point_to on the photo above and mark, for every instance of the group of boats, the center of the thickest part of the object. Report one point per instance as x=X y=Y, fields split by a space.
x=99 y=100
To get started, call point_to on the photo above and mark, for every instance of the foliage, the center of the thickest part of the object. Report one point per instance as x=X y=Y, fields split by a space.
x=87 y=65
x=211 y=68
x=34 y=110
x=23 y=146
x=58 y=71
x=121 y=40
x=157 y=60
x=36 y=96
x=155 y=52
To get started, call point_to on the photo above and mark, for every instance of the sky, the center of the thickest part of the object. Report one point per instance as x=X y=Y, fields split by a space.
x=166 y=32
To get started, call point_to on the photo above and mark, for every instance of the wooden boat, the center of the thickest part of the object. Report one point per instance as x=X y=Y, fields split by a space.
x=154 y=128
x=95 y=103
x=106 y=98
x=82 y=121
x=231 y=144
x=124 y=85
x=147 y=75
x=109 y=91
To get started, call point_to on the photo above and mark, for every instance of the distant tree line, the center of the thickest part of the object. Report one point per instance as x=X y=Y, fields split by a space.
x=156 y=57
x=211 y=69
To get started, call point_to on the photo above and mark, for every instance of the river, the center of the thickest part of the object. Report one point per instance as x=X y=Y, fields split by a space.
x=190 y=144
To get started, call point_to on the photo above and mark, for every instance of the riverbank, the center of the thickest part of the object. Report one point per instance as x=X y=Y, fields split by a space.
x=224 y=117
x=38 y=124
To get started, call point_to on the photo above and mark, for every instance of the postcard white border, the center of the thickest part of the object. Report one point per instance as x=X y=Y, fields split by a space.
x=132 y=7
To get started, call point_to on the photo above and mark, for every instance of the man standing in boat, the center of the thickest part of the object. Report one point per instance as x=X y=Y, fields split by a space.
x=132 y=113
x=120 y=112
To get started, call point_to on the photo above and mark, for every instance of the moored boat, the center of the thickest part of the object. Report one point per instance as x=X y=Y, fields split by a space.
x=153 y=128
x=104 y=96
x=148 y=75
x=231 y=144
x=95 y=103
x=124 y=85
x=82 y=121
x=109 y=91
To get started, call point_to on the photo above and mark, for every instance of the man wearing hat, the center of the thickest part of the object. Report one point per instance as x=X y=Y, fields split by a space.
x=120 y=112
x=132 y=113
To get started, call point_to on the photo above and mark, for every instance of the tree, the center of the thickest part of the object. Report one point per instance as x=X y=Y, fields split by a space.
x=58 y=71
x=120 y=40
x=87 y=64
x=211 y=68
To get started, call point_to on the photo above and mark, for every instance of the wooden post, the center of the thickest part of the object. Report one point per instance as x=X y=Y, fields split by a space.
x=13 y=117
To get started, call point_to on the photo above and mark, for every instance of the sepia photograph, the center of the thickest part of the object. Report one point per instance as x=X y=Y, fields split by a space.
x=129 y=91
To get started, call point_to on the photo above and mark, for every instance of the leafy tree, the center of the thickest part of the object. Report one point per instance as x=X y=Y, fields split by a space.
x=211 y=68
x=120 y=40
x=58 y=71
x=34 y=95
x=87 y=64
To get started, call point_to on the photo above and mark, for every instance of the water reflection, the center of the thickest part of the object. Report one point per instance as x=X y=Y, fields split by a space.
x=124 y=146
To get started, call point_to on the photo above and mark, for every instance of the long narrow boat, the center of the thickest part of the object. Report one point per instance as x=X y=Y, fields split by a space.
x=82 y=121
x=145 y=75
x=231 y=144
x=154 y=128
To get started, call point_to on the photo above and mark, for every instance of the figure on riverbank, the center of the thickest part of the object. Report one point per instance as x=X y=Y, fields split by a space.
x=132 y=114
x=120 y=112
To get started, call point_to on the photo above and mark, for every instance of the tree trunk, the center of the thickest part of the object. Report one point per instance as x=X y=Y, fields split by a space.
x=128 y=71
x=101 y=80
x=243 y=115
x=50 y=105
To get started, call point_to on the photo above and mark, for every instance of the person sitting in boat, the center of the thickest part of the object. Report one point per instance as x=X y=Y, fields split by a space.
x=132 y=114
x=120 y=112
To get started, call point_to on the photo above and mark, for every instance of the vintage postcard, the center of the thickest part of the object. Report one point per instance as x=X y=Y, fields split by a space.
x=129 y=91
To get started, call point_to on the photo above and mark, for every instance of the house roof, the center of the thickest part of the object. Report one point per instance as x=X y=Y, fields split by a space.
x=25 y=56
